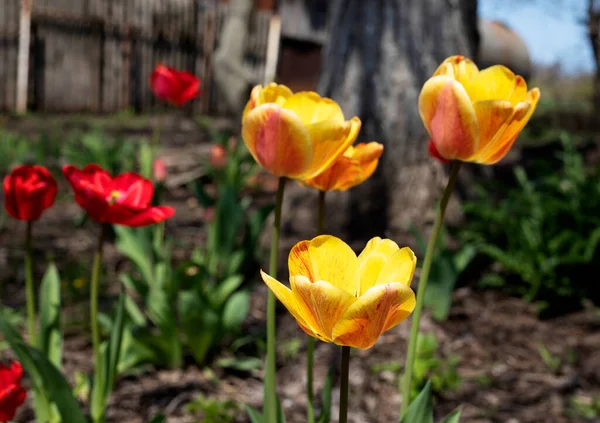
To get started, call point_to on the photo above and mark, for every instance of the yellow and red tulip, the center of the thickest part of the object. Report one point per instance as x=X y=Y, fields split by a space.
x=295 y=135
x=352 y=168
x=472 y=115
x=338 y=297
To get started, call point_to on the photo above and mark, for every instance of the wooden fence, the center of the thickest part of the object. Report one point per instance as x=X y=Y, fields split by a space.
x=97 y=55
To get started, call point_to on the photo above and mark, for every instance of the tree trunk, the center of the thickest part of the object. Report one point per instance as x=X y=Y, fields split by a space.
x=379 y=55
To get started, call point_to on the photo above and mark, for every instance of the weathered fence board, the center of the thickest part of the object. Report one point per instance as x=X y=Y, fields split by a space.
x=97 y=55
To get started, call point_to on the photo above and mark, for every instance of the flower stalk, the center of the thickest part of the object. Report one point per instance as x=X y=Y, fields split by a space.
x=271 y=394
x=29 y=284
x=406 y=382
x=310 y=343
x=344 y=385
x=94 y=288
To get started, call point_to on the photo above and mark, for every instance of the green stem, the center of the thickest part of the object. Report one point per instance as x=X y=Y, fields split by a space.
x=94 y=287
x=344 y=385
x=271 y=394
x=416 y=318
x=29 y=285
x=310 y=343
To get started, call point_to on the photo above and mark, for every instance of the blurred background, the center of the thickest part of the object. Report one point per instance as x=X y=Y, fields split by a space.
x=512 y=331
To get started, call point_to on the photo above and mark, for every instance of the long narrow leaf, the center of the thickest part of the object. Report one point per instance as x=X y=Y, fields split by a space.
x=50 y=337
x=420 y=410
x=114 y=347
x=453 y=417
x=254 y=414
x=44 y=375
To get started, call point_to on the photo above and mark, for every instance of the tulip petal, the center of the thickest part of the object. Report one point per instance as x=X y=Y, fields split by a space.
x=342 y=175
x=519 y=91
x=330 y=140
x=135 y=190
x=494 y=83
x=311 y=108
x=400 y=267
x=368 y=156
x=277 y=140
x=372 y=259
x=121 y=214
x=272 y=93
x=326 y=302
x=523 y=112
x=326 y=258
x=449 y=117
x=493 y=117
x=365 y=320
x=354 y=167
x=301 y=312
x=400 y=313
x=382 y=261
x=458 y=67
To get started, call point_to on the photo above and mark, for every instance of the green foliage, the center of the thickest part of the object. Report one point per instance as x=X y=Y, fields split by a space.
x=200 y=305
x=430 y=367
x=550 y=360
x=421 y=408
x=213 y=410
x=53 y=397
x=50 y=338
x=51 y=149
x=544 y=231
x=446 y=268
x=106 y=373
x=584 y=407
x=113 y=154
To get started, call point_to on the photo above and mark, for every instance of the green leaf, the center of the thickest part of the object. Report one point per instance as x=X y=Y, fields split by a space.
x=45 y=377
x=114 y=346
x=132 y=243
x=254 y=415
x=225 y=289
x=146 y=157
x=420 y=410
x=134 y=352
x=236 y=310
x=244 y=364
x=159 y=418
x=50 y=337
x=442 y=279
x=453 y=417
x=195 y=315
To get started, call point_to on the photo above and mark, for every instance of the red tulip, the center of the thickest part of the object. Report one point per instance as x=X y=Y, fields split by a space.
x=12 y=395
x=433 y=152
x=122 y=200
x=29 y=190
x=174 y=86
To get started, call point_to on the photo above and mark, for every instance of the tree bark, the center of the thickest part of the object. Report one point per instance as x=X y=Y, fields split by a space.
x=379 y=55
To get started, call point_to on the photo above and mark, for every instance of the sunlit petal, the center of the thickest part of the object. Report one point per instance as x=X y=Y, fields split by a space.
x=301 y=312
x=312 y=108
x=449 y=117
x=278 y=140
x=326 y=302
x=365 y=320
x=326 y=258
x=330 y=140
